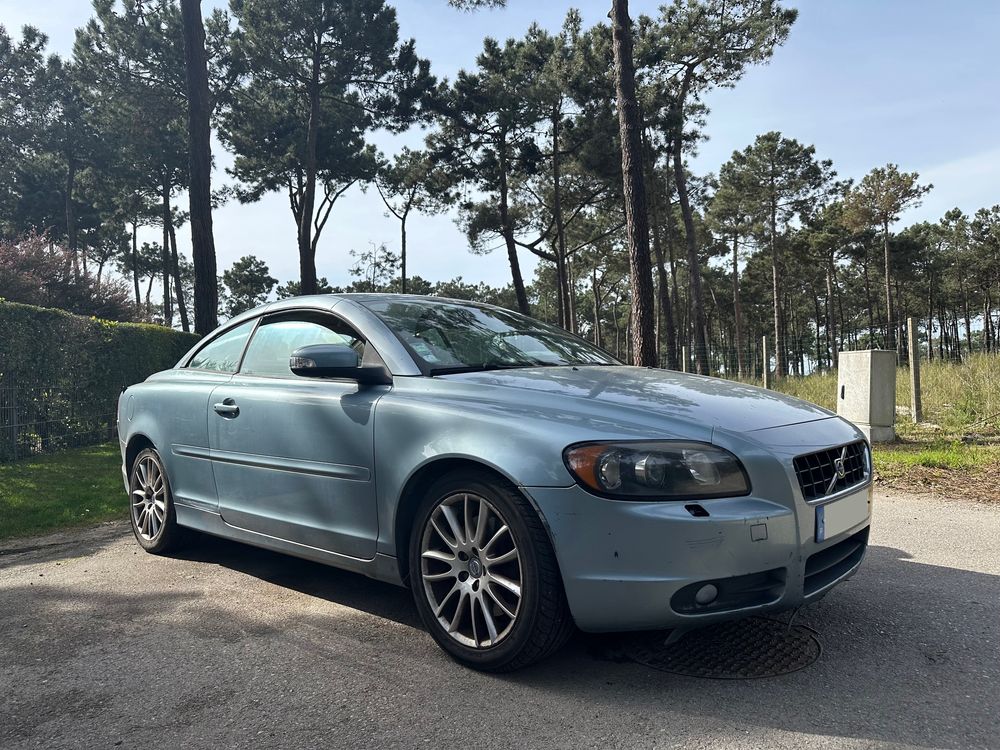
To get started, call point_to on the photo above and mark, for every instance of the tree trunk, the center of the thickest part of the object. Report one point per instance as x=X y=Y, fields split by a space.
x=149 y=292
x=71 y=235
x=890 y=324
x=168 y=308
x=562 y=281
x=780 y=368
x=507 y=230
x=571 y=296
x=597 y=307
x=665 y=311
x=737 y=311
x=402 y=252
x=307 y=257
x=176 y=265
x=967 y=318
x=135 y=265
x=871 y=304
x=696 y=301
x=831 y=327
x=206 y=292
x=666 y=308
x=636 y=219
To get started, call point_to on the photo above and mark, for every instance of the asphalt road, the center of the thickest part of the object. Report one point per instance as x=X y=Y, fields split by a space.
x=102 y=645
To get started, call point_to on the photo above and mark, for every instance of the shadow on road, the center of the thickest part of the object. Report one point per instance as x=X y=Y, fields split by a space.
x=911 y=654
x=310 y=578
x=902 y=641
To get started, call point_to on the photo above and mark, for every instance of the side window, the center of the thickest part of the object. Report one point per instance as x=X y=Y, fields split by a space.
x=223 y=354
x=274 y=342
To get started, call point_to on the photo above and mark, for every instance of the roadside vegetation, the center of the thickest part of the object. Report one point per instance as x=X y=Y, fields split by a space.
x=73 y=488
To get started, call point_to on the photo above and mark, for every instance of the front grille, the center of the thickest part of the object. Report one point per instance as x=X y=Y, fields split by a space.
x=818 y=472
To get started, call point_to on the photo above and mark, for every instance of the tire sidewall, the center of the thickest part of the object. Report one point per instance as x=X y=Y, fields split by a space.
x=494 y=657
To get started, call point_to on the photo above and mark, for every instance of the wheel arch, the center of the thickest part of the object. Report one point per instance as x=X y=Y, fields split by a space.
x=417 y=485
x=137 y=443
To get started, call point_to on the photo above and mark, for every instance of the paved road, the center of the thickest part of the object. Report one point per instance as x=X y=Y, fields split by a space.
x=102 y=646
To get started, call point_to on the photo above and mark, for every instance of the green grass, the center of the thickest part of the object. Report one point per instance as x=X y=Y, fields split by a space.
x=894 y=459
x=72 y=488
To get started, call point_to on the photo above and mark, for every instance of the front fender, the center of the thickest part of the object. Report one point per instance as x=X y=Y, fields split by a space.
x=423 y=421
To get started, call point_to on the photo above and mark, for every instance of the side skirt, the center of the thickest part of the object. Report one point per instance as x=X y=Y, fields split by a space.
x=381 y=567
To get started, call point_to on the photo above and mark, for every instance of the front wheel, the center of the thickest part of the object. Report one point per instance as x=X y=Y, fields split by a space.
x=484 y=575
x=154 y=521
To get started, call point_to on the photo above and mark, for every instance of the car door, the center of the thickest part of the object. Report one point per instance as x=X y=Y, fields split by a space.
x=293 y=456
x=178 y=406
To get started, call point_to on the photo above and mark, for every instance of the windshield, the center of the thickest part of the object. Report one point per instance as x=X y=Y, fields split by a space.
x=454 y=337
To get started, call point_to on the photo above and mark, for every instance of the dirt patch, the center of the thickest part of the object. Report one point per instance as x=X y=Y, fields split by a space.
x=981 y=484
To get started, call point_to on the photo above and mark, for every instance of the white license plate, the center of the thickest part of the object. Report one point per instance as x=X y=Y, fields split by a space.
x=840 y=515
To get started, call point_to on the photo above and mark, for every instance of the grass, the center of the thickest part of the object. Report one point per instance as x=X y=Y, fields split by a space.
x=72 y=488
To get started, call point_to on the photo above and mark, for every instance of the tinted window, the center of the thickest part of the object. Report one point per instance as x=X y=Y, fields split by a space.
x=448 y=336
x=275 y=340
x=223 y=354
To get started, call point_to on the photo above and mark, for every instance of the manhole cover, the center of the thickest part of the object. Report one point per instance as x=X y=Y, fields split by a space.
x=739 y=650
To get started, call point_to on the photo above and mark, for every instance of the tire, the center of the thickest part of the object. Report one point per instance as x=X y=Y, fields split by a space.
x=151 y=506
x=464 y=571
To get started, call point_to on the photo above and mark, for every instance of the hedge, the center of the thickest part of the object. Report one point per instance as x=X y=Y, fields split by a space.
x=60 y=374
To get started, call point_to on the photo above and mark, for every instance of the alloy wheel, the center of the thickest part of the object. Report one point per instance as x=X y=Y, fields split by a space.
x=148 y=495
x=471 y=570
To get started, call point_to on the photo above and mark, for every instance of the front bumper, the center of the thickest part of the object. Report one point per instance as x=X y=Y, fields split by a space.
x=636 y=565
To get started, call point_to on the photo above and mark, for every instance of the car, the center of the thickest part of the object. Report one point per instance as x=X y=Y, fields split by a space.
x=521 y=481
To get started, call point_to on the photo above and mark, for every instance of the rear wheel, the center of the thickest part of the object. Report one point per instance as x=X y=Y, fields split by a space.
x=484 y=575
x=154 y=521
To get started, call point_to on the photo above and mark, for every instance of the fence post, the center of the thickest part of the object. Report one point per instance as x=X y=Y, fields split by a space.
x=915 y=406
x=13 y=421
x=684 y=359
x=765 y=355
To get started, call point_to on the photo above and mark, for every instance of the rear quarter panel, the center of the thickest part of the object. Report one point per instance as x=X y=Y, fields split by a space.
x=170 y=409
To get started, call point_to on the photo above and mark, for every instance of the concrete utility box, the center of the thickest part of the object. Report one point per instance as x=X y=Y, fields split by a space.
x=866 y=392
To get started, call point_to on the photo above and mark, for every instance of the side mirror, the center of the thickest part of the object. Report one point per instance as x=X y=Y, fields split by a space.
x=335 y=361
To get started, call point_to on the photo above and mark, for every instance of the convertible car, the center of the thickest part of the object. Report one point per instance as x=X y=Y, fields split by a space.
x=518 y=479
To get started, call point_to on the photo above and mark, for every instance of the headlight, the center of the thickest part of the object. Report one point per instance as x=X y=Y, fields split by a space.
x=660 y=470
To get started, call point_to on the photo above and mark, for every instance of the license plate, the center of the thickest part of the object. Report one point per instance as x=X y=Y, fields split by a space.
x=840 y=515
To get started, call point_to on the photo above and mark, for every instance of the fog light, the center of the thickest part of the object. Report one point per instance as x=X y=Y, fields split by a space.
x=706 y=594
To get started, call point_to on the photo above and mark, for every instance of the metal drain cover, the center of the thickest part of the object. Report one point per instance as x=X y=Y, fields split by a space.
x=739 y=650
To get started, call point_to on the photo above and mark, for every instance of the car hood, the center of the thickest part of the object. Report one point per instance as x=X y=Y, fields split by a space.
x=712 y=402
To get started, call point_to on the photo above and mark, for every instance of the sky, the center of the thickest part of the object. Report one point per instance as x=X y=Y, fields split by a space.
x=913 y=82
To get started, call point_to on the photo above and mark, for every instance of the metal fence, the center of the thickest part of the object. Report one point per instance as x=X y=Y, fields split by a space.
x=37 y=418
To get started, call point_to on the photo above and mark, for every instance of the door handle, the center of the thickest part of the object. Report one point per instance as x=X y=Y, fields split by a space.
x=227 y=408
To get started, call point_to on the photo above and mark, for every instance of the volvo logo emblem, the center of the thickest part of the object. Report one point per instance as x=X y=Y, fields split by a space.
x=839 y=470
x=475 y=568
x=838 y=464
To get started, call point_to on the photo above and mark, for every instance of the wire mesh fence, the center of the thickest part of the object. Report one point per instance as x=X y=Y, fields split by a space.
x=36 y=418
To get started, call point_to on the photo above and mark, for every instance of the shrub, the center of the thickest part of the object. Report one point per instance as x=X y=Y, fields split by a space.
x=60 y=374
x=34 y=272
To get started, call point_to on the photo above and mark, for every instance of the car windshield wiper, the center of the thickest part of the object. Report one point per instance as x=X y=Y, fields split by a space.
x=486 y=366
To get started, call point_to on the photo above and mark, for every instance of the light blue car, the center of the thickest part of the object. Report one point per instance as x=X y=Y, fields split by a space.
x=520 y=480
